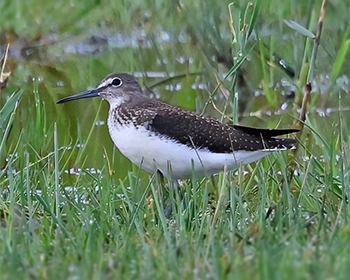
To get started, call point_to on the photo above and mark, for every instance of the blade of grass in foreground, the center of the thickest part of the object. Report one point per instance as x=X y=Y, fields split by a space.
x=9 y=109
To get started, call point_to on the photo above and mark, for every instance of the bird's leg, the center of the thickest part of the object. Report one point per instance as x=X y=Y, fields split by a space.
x=168 y=209
x=176 y=194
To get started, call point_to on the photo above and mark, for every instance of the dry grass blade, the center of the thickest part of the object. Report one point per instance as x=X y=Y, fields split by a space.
x=4 y=75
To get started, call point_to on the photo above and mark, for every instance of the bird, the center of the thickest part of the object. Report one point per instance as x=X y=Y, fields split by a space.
x=178 y=143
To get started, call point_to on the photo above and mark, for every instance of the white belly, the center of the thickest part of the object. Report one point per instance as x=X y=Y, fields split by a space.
x=174 y=160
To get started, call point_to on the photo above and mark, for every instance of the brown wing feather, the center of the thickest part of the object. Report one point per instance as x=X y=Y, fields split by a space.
x=199 y=132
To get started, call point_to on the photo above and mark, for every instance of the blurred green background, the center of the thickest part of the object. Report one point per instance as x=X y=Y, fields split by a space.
x=183 y=48
x=246 y=62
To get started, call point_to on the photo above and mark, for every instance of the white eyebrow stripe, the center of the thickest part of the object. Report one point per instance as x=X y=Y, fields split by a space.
x=106 y=82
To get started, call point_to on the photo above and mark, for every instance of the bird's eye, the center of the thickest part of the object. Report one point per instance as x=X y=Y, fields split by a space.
x=116 y=82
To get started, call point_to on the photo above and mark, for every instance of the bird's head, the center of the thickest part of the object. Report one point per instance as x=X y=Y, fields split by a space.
x=115 y=88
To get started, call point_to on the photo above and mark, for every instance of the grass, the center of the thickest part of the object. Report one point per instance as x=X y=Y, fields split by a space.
x=284 y=217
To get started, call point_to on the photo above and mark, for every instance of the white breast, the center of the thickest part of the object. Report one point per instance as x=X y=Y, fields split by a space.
x=176 y=161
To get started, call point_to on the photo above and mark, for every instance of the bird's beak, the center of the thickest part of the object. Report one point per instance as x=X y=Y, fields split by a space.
x=80 y=95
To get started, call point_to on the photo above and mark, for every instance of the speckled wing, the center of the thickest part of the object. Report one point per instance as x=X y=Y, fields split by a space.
x=199 y=132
